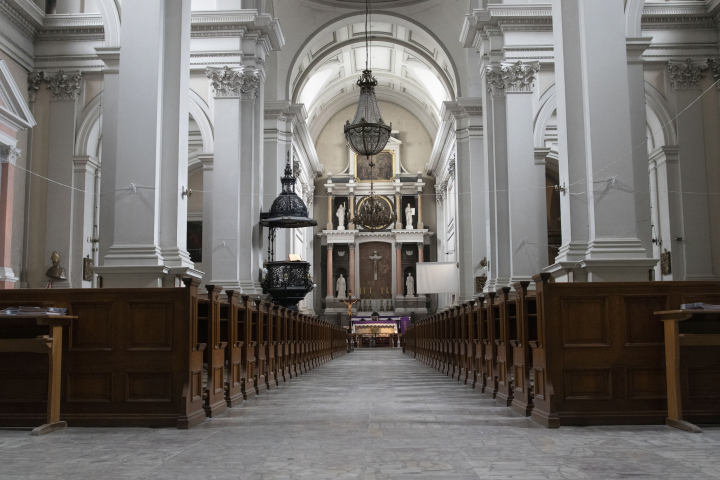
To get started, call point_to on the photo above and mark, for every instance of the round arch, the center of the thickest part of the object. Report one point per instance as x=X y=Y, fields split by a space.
x=295 y=79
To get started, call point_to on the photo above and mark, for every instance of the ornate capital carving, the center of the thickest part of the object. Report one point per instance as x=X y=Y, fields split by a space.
x=451 y=167
x=714 y=64
x=495 y=82
x=35 y=79
x=686 y=76
x=9 y=154
x=251 y=82
x=520 y=77
x=515 y=77
x=64 y=86
x=225 y=81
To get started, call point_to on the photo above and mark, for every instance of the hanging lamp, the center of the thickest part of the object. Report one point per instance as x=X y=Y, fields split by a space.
x=368 y=135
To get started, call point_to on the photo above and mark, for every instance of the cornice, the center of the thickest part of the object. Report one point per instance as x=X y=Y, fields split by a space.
x=530 y=18
x=25 y=27
x=239 y=23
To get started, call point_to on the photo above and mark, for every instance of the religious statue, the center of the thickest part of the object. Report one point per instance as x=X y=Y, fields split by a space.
x=350 y=302
x=341 y=217
x=56 y=272
x=410 y=285
x=409 y=212
x=340 y=286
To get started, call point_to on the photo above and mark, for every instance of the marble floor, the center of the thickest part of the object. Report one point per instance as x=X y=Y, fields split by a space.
x=373 y=414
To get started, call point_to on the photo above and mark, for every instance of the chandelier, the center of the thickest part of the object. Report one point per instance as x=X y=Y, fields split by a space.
x=367 y=136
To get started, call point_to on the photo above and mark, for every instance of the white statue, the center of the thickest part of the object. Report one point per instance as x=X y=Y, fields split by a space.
x=340 y=286
x=410 y=285
x=341 y=217
x=409 y=212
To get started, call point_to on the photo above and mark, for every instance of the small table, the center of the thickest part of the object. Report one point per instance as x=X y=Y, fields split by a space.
x=52 y=345
x=673 y=340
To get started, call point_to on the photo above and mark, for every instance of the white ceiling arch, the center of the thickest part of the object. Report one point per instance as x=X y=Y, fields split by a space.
x=413 y=68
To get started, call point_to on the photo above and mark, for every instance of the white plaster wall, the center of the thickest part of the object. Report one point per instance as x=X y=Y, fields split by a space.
x=19 y=74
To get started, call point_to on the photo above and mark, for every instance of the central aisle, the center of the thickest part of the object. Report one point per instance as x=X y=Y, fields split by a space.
x=370 y=415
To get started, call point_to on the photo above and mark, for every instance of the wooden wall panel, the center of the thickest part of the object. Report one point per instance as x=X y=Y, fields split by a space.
x=148 y=387
x=89 y=387
x=646 y=383
x=24 y=387
x=642 y=327
x=149 y=326
x=95 y=332
x=588 y=384
x=585 y=322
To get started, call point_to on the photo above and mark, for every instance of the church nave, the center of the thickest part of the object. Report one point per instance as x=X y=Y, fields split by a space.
x=374 y=414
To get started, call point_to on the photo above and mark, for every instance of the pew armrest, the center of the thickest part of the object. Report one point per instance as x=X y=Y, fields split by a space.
x=476 y=341
x=498 y=342
x=534 y=344
x=515 y=343
x=200 y=347
x=222 y=346
x=253 y=344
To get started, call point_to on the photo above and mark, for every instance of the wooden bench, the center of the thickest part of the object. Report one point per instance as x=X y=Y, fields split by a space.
x=131 y=359
x=599 y=356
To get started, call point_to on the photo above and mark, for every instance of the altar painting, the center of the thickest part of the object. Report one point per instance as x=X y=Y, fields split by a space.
x=384 y=167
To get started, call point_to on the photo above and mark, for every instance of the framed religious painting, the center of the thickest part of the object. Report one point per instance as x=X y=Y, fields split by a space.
x=384 y=167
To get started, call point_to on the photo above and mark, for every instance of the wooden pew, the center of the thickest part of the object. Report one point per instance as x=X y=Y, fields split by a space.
x=214 y=355
x=249 y=327
x=599 y=357
x=234 y=351
x=470 y=345
x=479 y=316
x=132 y=359
x=490 y=329
x=456 y=338
x=281 y=349
x=507 y=322
x=271 y=319
x=525 y=336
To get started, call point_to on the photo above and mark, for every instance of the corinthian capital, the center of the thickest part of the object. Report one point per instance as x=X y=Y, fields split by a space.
x=495 y=82
x=34 y=81
x=9 y=154
x=64 y=86
x=686 y=76
x=225 y=82
x=251 y=82
x=520 y=77
x=714 y=64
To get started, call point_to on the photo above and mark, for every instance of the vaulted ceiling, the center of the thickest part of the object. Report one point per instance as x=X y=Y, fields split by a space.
x=412 y=68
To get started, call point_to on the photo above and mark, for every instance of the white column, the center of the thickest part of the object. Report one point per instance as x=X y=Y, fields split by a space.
x=692 y=258
x=638 y=131
x=259 y=168
x=226 y=197
x=470 y=223
x=498 y=186
x=111 y=91
x=249 y=186
x=174 y=159
x=151 y=126
x=65 y=89
x=593 y=98
x=83 y=216
x=208 y=161
x=527 y=211
x=667 y=218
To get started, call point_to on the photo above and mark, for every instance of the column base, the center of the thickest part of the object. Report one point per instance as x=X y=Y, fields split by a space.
x=609 y=270
x=251 y=288
x=133 y=276
x=7 y=278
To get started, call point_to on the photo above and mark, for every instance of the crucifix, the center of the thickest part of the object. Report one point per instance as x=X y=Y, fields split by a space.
x=375 y=257
x=350 y=302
